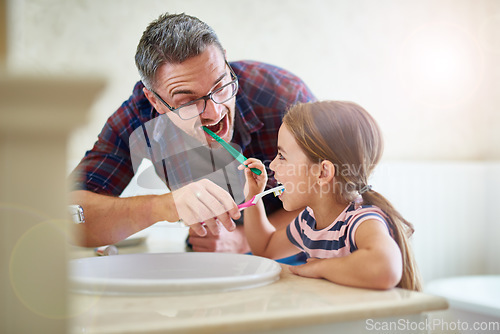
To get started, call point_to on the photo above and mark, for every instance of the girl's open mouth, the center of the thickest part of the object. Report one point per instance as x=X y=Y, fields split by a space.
x=280 y=194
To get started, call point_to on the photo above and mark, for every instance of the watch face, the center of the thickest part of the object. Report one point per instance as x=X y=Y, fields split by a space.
x=76 y=213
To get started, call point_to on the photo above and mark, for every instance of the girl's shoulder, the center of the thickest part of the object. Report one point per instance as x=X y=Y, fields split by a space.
x=357 y=211
x=361 y=213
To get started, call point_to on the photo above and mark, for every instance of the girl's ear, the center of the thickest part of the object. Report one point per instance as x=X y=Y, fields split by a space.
x=327 y=172
x=152 y=99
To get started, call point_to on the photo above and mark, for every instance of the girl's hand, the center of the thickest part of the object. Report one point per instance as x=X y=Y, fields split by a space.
x=307 y=270
x=255 y=183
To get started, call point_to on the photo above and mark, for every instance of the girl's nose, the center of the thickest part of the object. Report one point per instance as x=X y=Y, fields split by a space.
x=272 y=164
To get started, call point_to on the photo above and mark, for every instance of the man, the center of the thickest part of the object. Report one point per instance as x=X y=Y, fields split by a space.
x=186 y=83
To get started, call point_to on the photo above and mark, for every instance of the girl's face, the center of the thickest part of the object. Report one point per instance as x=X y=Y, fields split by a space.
x=295 y=171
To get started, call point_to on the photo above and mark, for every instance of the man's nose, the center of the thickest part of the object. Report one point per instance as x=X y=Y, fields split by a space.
x=212 y=110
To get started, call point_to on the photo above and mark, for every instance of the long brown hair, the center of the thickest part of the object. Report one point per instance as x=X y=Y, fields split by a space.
x=348 y=136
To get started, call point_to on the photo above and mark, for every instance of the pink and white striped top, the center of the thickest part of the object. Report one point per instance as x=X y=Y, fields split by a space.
x=337 y=239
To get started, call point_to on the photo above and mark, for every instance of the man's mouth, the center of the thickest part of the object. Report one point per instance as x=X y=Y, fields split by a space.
x=215 y=128
x=219 y=128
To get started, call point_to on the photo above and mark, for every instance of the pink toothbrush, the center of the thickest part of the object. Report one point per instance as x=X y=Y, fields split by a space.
x=276 y=190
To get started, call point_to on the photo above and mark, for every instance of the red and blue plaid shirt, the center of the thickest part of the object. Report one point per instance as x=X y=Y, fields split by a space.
x=265 y=93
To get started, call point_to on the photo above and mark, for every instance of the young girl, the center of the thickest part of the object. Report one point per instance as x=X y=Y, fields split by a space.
x=351 y=234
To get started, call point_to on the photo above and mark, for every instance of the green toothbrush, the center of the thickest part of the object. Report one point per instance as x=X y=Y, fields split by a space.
x=235 y=153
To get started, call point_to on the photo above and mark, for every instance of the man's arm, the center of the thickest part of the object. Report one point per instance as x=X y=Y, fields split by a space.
x=110 y=219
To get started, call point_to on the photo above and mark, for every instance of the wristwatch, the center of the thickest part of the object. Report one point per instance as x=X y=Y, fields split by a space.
x=76 y=213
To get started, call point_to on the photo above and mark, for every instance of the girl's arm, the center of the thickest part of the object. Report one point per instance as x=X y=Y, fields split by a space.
x=262 y=236
x=377 y=264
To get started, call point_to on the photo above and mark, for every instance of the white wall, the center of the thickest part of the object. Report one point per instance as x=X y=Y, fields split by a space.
x=452 y=207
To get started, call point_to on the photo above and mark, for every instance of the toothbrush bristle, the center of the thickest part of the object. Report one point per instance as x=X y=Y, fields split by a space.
x=278 y=192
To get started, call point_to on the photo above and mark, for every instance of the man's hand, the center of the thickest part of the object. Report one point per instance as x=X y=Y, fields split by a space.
x=226 y=242
x=204 y=201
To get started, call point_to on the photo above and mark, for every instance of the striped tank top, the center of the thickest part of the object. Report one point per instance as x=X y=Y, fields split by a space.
x=337 y=239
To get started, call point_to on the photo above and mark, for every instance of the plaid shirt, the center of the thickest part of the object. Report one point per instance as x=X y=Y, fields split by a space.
x=265 y=93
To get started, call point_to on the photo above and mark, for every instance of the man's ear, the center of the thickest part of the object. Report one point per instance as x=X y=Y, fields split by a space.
x=327 y=172
x=153 y=100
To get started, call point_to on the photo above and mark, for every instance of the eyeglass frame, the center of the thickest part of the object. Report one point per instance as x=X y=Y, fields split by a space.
x=206 y=97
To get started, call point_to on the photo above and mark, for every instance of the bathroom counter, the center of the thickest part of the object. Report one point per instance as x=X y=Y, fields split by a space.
x=293 y=304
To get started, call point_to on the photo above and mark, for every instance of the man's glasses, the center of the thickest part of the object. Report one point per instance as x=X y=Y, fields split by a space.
x=196 y=107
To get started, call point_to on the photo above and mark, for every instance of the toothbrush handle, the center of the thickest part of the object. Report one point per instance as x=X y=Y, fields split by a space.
x=248 y=204
x=234 y=152
x=256 y=171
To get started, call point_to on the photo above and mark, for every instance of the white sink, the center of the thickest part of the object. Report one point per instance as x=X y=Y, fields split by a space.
x=170 y=273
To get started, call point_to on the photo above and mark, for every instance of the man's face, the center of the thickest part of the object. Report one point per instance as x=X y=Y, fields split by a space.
x=198 y=76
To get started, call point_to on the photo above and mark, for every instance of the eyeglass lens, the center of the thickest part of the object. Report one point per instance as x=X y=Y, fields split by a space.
x=219 y=96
